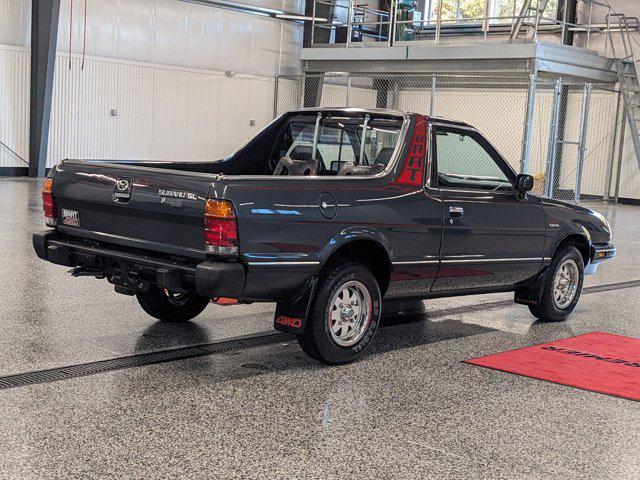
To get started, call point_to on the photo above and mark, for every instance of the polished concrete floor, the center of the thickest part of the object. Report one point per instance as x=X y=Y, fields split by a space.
x=409 y=409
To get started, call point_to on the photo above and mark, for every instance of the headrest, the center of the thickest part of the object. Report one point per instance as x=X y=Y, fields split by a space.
x=304 y=152
x=290 y=166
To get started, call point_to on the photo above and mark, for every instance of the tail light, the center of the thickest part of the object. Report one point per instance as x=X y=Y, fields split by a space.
x=48 y=205
x=220 y=228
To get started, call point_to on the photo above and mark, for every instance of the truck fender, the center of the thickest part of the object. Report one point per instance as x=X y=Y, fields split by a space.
x=291 y=316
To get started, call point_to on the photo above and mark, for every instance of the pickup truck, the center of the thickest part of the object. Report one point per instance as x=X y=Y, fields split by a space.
x=324 y=212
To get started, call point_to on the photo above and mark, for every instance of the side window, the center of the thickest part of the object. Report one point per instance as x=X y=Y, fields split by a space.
x=464 y=163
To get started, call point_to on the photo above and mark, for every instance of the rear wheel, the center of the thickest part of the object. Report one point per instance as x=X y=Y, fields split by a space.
x=345 y=315
x=562 y=286
x=171 y=306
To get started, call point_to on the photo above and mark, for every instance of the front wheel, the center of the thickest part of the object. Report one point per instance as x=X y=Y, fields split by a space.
x=171 y=306
x=562 y=286
x=345 y=315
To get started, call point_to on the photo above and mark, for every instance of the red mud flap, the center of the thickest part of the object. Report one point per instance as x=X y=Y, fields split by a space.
x=291 y=317
x=598 y=362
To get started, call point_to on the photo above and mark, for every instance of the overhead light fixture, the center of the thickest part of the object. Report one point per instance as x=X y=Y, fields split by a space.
x=245 y=8
x=255 y=10
x=293 y=16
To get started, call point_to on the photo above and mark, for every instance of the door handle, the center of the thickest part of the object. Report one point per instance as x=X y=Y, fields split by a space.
x=456 y=212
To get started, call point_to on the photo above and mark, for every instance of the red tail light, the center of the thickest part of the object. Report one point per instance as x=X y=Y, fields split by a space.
x=48 y=205
x=220 y=228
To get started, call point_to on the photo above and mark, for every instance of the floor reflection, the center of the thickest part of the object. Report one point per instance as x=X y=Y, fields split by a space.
x=164 y=335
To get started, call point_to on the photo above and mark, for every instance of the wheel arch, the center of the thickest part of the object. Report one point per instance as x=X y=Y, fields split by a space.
x=578 y=240
x=370 y=251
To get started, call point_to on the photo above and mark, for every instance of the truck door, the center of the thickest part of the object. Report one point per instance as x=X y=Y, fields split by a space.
x=417 y=221
x=491 y=236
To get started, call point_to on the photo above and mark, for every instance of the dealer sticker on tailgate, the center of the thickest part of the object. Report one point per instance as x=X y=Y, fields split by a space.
x=70 y=217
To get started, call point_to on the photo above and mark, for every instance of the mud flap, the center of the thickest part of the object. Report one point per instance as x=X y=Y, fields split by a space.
x=291 y=316
x=531 y=294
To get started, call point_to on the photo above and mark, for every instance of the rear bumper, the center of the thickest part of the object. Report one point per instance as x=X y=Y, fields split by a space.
x=208 y=278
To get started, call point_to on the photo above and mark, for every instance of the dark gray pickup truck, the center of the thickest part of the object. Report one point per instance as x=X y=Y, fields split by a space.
x=325 y=212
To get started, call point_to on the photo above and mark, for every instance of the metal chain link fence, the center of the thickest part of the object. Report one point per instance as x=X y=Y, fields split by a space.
x=564 y=133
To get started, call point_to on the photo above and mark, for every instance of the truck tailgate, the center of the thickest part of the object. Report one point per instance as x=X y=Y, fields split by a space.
x=142 y=207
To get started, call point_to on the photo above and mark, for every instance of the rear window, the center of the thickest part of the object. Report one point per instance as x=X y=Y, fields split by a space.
x=339 y=143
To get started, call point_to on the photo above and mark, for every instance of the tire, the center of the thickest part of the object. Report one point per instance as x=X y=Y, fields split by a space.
x=554 y=306
x=171 y=307
x=358 y=318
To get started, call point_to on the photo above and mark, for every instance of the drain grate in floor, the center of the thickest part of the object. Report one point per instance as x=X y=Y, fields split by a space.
x=143 y=359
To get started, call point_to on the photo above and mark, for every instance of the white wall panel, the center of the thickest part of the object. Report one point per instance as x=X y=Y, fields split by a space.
x=163 y=113
x=14 y=105
x=15 y=22
x=169 y=32
x=630 y=176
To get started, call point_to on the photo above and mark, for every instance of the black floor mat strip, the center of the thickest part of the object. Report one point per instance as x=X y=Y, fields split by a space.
x=612 y=286
x=194 y=351
x=143 y=359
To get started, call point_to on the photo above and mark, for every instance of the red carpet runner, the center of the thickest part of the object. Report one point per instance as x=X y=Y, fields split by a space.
x=599 y=362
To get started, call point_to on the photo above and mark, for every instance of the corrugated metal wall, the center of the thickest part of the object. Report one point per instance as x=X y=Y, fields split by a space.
x=163 y=113
x=14 y=106
x=169 y=32
x=160 y=64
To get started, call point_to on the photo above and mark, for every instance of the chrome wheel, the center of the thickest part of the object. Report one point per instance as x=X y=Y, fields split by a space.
x=349 y=313
x=565 y=283
x=178 y=299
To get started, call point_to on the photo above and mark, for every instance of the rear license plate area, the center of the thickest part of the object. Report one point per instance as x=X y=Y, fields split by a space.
x=70 y=217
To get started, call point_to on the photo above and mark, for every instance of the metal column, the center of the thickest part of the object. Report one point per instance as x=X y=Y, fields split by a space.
x=612 y=154
x=620 y=155
x=302 y=83
x=350 y=23
x=528 y=125
x=44 y=35
x=433 y=96
x=584 y=120
x=553 y=139
x=276 y=94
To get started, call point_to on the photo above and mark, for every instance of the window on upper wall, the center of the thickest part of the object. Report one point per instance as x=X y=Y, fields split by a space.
x=474 y=9
x=511 y=8
x=458 y=9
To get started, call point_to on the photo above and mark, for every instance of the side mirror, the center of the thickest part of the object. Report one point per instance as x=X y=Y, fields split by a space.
x=524 y=183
